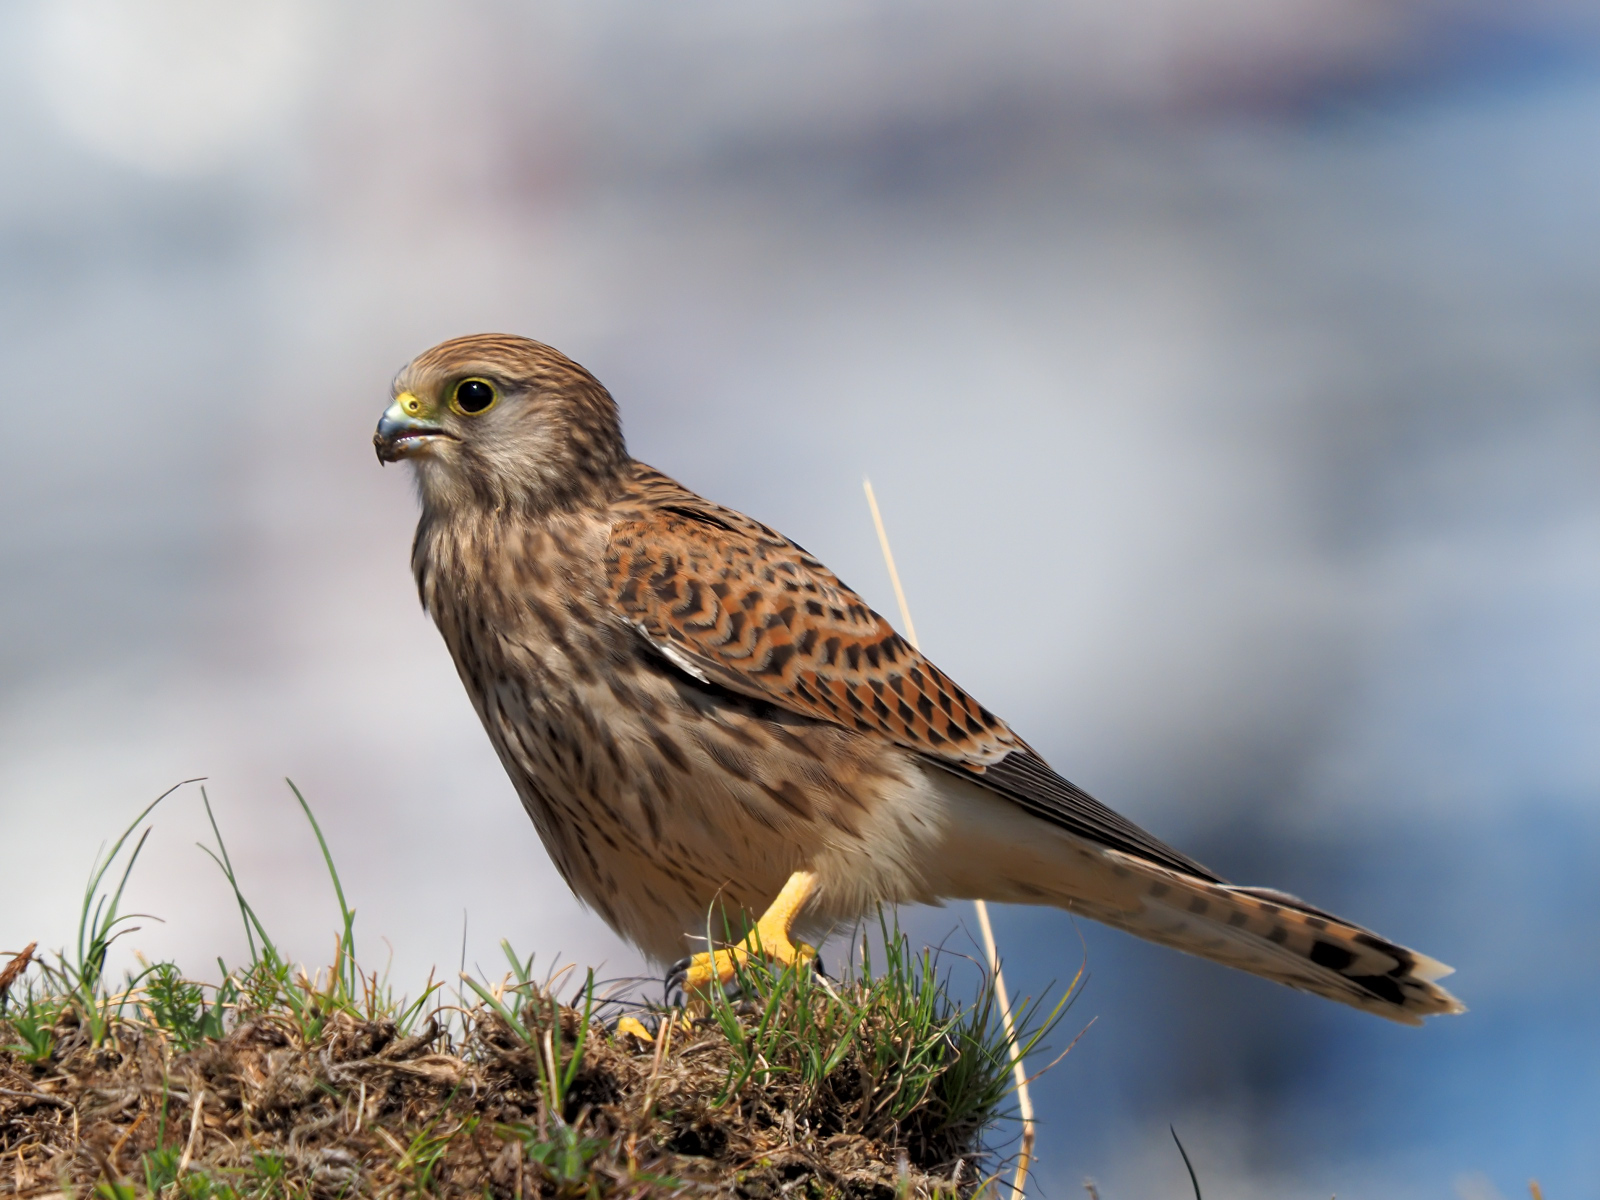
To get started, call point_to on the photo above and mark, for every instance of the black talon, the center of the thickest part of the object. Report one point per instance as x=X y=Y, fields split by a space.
x=677 y=975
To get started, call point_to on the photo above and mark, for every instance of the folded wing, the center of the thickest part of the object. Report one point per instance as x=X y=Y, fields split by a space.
x=735 y=604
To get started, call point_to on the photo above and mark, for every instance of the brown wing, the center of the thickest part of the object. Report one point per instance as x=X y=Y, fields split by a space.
x=736 y=604
x=749 y=610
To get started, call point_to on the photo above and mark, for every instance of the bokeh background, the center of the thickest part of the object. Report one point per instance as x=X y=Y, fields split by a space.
x=1249 y=348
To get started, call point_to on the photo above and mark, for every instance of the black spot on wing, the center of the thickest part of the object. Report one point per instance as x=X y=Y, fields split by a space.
x=1326 y=954
x=700 y=515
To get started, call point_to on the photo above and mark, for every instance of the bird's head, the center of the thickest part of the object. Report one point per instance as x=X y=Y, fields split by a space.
x=497 y=421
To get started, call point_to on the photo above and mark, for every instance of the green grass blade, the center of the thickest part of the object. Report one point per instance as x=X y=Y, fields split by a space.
x=226 y=864
x=97 y=872
x=583 y=1035
x=513 y=1022
x=1194 y=1182
x=268 y=951
x=347 y=955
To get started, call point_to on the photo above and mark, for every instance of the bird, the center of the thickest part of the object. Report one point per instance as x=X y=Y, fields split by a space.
x=696 y=712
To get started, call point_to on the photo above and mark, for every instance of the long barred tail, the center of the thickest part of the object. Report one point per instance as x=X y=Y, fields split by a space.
x=1280 y=937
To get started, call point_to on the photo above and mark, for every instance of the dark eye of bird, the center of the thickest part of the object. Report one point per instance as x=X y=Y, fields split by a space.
x=474 y=395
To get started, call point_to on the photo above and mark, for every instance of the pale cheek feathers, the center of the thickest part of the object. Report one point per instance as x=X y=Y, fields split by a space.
x=522 y=451
x=440 y=483
x=491 y=465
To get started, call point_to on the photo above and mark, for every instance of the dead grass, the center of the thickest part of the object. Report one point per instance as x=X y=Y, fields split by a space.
x=272 y=1082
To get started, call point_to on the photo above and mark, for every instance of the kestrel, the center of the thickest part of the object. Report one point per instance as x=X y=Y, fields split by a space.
x=696 y=711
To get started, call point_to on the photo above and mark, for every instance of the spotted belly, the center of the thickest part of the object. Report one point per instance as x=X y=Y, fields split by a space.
x=665 y=805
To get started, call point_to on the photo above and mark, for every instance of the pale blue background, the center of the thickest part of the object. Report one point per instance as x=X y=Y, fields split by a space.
x=1229 y=374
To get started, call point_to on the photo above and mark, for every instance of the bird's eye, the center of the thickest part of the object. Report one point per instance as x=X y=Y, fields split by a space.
x=473 y=396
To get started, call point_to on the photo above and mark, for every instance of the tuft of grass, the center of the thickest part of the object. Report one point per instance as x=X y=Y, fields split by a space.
x=889 y=1052
x=274 y=1081
x=34 y=1025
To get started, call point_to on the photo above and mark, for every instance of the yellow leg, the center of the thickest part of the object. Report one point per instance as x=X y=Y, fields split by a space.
x=769 y=939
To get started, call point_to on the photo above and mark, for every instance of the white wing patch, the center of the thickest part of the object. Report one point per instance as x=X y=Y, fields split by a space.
x=672 y=654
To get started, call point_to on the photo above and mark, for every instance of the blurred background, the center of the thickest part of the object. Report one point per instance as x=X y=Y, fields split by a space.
x=1249 y=346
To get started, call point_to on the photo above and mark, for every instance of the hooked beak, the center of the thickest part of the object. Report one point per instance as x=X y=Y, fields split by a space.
x=404 y=430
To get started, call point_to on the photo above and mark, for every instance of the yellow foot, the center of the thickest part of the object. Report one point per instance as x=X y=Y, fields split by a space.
x=768 y=940
x=723 y=966
x=634 y=1028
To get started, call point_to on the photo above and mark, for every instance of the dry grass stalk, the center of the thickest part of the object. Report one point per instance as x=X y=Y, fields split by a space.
x=991 y=951
x=13 y=969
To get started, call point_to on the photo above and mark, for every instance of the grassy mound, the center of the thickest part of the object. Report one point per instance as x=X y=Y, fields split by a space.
x=275 y=1082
